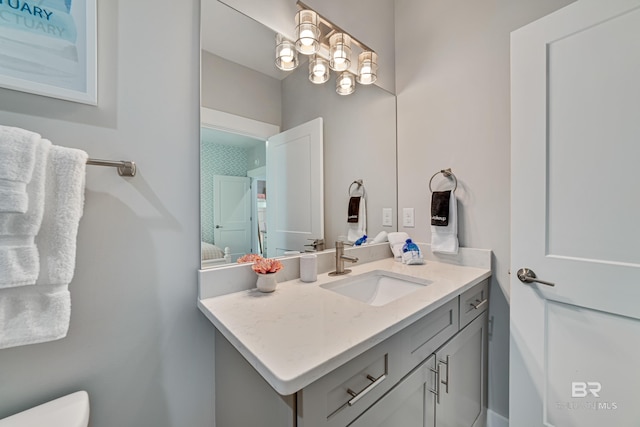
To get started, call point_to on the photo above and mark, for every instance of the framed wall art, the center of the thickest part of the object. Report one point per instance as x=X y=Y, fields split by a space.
x=48 y=47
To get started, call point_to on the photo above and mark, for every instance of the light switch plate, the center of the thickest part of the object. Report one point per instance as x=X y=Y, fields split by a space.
x=387 y=217
x=407 y=217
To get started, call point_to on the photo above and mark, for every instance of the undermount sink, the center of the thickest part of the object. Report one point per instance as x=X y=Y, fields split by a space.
x=377 y=287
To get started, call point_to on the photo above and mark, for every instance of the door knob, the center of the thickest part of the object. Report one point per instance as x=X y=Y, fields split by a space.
x=528 y=276
x=218 y=226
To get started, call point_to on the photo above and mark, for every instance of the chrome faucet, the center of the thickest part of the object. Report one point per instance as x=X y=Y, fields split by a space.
x=340 y=259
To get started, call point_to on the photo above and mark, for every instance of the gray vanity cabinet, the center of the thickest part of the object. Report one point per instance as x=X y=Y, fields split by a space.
x=431 y=373
x=446 y=390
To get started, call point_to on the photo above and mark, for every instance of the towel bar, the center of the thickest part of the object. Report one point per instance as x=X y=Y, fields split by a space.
x=125 y=168
x=447 y=173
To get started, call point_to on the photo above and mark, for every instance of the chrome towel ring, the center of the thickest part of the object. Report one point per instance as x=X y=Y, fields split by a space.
x=448 y=174
x=359 y=183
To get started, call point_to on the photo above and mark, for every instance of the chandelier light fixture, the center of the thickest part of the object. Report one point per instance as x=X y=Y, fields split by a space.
x=345 y=83
x=340 y=52
x=307 y=32
x=318 y=70
x=328 y=48
x=286 y=54
x=367 y=67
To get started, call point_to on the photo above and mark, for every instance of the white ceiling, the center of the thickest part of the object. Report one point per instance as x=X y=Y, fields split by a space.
x=238 y=38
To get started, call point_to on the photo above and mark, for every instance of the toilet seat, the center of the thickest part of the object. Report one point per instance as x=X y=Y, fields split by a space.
x=68 y=411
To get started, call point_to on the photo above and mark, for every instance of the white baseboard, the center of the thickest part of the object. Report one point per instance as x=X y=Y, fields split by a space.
x=496 y=420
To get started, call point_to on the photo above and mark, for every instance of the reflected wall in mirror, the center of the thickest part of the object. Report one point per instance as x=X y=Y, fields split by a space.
x=359 y=130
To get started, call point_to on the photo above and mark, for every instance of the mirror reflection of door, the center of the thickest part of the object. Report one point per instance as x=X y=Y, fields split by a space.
x=232 y=214
x=296 y=188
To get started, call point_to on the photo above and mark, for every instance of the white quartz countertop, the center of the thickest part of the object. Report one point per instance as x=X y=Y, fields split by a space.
x=301 y=331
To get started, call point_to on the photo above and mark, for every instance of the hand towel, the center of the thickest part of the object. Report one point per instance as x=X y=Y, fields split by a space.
x=358 y=229
x=64 y=203
x=440 y=201
x=353 y=213
x=397 y=241
x=19 y=262
x=444 y=238
x=34 y=314
x=18 y=155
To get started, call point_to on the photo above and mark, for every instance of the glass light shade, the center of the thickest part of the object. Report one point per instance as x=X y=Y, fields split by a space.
x=307 y=32
x=340 y=51
x=318 y=70
x=286 y=54
x=345 y=83
x=367 y=68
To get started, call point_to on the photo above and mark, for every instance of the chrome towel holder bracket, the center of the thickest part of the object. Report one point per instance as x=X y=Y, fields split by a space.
x=448 y=174
x=125 y=167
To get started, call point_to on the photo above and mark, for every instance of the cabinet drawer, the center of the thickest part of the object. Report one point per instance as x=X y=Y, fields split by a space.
x=340 y=396
x=474 y=302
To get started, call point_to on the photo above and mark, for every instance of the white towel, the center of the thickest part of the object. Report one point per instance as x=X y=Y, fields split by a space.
x=19 y=264
x=358 y=229
x=397 y=241
x=64 y=203
x=34 y=314
x=444 y=239
x=18 y=157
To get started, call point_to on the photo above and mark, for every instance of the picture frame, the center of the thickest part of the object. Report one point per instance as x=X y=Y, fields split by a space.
x=49 y=48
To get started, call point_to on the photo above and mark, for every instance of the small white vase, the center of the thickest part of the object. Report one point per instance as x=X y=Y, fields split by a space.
x=266 y=282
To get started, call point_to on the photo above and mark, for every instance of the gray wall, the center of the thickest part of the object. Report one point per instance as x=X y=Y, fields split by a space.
x=234 y=89
x=359 y=143
x=137 y=343
x=452 y=82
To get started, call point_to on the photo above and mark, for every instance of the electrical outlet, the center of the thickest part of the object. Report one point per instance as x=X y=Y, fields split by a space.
x=387 y=217
x=407 y=217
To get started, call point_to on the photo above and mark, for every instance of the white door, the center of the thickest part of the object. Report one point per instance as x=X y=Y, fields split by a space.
x=575 y=346
x=232 y=213
x=295 y=193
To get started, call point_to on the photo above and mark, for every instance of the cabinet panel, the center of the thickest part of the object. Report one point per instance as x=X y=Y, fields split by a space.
x=243 y=397
x=409 y=404
x=462 y=367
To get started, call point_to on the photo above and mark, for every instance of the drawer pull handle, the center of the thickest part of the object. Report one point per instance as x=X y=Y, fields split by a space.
x=479 y=303
x=436 y=390
x=446 y=383
x=374 y=383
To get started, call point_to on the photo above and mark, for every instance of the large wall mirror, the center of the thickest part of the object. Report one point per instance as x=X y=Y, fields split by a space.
x=245 y=98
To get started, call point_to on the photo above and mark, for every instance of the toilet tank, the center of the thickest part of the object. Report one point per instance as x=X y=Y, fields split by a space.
x=68 y=411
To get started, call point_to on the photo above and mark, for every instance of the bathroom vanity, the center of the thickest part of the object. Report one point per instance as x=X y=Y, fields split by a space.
x=318 y=354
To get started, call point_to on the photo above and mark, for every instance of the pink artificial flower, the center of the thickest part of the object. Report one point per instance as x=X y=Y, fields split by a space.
x=249 y=258
x=266 y=265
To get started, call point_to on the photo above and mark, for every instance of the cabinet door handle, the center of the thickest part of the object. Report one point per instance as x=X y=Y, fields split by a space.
x=436 y=391
x=479 y=303
x=374 y=383
x=446 y=383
